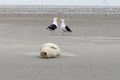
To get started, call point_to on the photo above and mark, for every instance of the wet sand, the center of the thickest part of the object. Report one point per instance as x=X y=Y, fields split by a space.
x=90 y=52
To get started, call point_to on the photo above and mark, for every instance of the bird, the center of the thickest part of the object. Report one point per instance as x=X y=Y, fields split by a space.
x=64 y=27
x=53 y=26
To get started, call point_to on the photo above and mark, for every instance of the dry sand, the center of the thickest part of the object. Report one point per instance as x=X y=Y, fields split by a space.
x=90 y=52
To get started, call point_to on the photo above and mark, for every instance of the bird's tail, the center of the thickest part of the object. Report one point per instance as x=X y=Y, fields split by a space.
x=70 y=31
x=48 y=27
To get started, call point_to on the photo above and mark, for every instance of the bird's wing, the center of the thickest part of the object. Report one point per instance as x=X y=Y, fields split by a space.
x=68 y=28
x=52 y=26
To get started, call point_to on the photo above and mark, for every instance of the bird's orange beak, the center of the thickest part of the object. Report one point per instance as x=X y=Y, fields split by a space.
x=58 y=19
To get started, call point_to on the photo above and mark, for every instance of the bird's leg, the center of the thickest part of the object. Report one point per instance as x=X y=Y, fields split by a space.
x=63 y=33
x=54 y=31
x=67 y=34
x=50 y=32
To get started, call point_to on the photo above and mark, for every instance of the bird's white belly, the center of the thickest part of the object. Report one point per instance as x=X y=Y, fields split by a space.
x=63 y=29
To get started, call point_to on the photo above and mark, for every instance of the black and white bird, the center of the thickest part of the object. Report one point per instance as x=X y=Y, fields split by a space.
x=64 y=27
x=53 y=26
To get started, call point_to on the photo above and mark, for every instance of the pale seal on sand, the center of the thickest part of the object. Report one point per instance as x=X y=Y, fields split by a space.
x=49 y=50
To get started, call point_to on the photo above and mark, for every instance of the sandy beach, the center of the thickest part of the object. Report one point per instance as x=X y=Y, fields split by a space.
x=90 y=52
